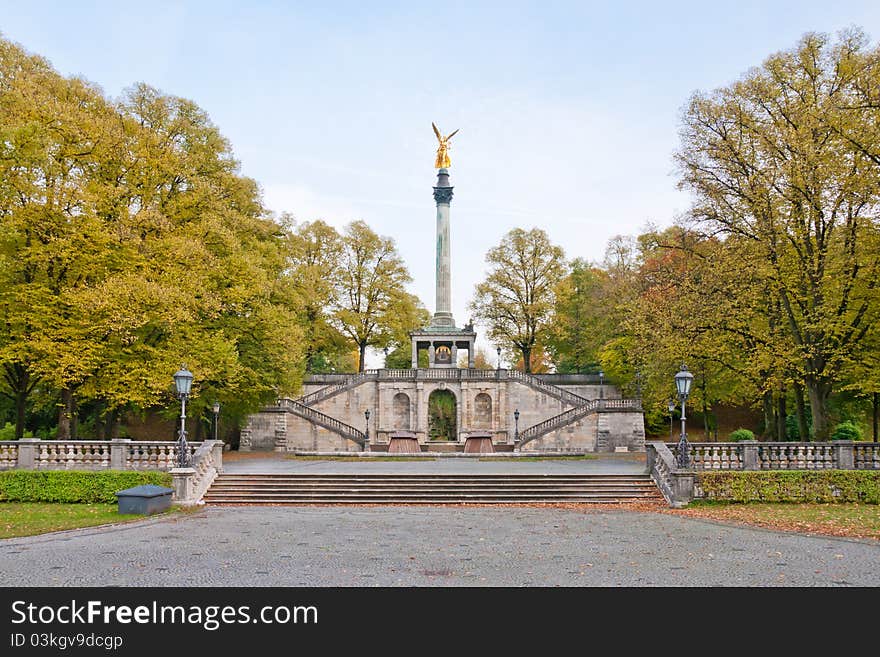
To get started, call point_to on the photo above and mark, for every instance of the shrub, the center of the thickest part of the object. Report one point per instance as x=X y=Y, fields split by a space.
x=7 y=432
x=72 y=486
x=741 y=434
x=792 y=486
x=847 y=431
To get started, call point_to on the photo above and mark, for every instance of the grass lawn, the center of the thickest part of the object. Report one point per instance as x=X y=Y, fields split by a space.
x=854 y=520
x=30 y=518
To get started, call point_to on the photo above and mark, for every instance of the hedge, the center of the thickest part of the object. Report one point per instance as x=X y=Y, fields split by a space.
x=792 y=486
x=72 y=486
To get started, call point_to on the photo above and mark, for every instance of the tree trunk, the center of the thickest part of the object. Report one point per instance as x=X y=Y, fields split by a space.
x=74 y=419
x=769 y=419
x=361 y=355
x=20 y=410
x=803 y=429
x=876 y=397
x=781 y=414
x=65 y=413
x=818 y=393
x=527 y=359
x=112 y=429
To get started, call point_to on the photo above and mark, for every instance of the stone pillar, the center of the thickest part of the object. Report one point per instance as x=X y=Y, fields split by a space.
x=682 y=484
x=244 y=441
x=118 y=453
x=415 y=353
x=750 y=454
x=431 y=355
x=471 y=355
x=217 y=454
x=443 y=305
x=454 y=355
x=844 y=454
x=280 y=432
x=28 y=453
x=181 y=482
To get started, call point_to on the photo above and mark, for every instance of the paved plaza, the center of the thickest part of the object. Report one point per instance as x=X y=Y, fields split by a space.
x=427 y=546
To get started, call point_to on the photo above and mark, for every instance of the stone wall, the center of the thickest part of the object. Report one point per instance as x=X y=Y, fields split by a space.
x=401 y=404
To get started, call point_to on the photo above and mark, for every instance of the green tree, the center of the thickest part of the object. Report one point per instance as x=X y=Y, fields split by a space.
x=372 y=307
x=517 y=298
x=786 y=159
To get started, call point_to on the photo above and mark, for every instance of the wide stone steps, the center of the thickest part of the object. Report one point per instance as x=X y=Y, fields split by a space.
x=428 y=489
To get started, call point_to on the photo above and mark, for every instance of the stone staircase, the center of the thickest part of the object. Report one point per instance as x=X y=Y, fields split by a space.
x=413 y=488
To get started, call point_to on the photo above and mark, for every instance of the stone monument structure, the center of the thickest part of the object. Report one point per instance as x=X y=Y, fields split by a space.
x=500 y=410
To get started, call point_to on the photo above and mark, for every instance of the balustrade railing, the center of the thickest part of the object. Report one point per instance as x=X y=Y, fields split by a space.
x=866 y=456
x=8 y=454
x=154 y=454
x=554 y=391
x=557 y=421
x=326 y=421
x=782 y=455
x=336 y=388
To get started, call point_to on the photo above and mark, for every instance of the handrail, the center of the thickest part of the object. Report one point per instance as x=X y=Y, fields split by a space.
x=548 y=388
x=661 y=466
x=336 y=388
x=566 y=417
x=324 y=420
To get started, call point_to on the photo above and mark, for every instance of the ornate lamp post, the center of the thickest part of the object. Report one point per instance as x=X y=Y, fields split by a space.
x=601 y=384
x=671 y=409
x=498 y=351
x=216 y=409
x=683 y=380
x=385 y=349
x=183 y=383
x=367 y=429
x=516 y=425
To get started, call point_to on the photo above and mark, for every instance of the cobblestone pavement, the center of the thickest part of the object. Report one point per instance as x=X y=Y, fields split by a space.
x=425 y=546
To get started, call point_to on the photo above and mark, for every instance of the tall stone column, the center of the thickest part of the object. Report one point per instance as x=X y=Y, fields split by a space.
x=443 y=306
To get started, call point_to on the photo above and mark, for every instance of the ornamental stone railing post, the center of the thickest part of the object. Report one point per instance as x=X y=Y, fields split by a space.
x=844 y=457
x=119 y=453
x=28 y=453
x=750 y=455
x=217 y=455
x=182 y=483
x=682 y=488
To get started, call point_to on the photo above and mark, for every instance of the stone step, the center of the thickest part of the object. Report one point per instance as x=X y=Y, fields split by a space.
x=421 y=488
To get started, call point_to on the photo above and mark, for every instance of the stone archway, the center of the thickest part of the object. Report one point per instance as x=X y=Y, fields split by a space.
x=442 y=415
x=400 y=411
x=483 y=411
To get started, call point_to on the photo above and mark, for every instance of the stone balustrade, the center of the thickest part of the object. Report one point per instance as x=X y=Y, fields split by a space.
x=190 y=484
x=676 y=485
x=8 y=454
x=754 y=455
x=36 y=454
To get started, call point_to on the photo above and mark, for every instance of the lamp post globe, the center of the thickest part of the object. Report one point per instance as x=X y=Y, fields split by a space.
x=683 y=380
x=215 y=407
x=183 y=379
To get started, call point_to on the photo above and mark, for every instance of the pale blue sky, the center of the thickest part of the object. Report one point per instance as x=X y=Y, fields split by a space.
x=568 y=110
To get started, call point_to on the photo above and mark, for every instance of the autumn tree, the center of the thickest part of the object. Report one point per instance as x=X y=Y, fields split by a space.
x=787 y=160
x=372 y=307
x=516 y=299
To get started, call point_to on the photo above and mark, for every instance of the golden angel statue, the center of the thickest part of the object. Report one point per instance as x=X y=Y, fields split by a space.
x=442 y=160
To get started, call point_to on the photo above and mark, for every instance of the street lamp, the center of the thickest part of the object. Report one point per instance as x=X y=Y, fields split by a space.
x=183 y=383
x=601 y=384
x=216 y=408
x=683 y=380
x=516 y=425
x=367 y=429
x=385 y=349
x=498 y=351
x=671 y=411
